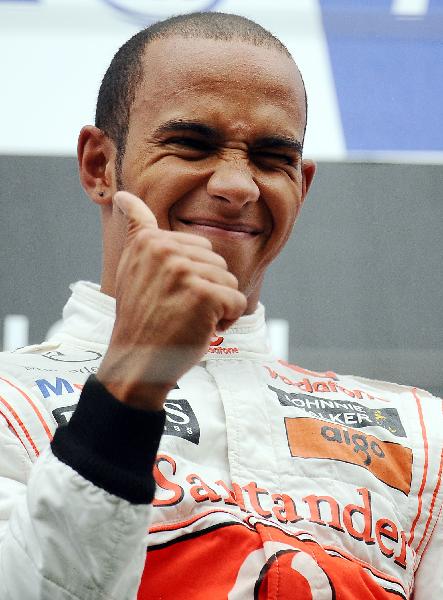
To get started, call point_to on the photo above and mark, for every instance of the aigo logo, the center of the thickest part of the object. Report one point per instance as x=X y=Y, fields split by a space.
x=358 y=442
x=138 y=11
x=390 y=462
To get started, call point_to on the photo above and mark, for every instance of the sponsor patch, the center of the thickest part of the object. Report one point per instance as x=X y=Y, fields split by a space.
x=63 y=414
x=348 y=414
x=216 y=340
x=73 y=357
x=388 y=461
x=181 y=420
x=57 y=387
x=216 y=346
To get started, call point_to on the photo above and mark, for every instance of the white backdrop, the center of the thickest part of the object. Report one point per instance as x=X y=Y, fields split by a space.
x=54 y=54
x=372 y=69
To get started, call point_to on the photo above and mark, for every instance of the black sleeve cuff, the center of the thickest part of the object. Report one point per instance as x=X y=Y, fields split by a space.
x=112 y=445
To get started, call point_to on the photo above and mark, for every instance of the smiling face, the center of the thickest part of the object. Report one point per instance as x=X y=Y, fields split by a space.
x=214 y=148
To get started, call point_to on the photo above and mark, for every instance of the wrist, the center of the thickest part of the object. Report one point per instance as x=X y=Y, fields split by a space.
x=135 y=393
x=111 y=445
x=132 y=390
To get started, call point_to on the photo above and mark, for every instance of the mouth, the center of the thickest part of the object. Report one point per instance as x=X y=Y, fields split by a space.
x=222 y=228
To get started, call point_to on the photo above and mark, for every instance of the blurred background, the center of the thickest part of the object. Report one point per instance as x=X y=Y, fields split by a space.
x=359 y=286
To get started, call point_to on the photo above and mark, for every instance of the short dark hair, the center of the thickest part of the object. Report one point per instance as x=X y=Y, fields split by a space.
x=125 y=73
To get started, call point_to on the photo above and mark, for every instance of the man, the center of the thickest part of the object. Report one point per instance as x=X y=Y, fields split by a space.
x=259 y=479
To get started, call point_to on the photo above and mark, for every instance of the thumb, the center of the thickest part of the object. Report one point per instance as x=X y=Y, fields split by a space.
x=135 y=210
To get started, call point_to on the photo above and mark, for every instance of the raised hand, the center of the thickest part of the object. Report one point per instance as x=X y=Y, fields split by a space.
x=172 y=293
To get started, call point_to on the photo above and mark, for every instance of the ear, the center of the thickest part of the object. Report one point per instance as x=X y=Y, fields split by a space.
x=308 y=169
x=96 y=154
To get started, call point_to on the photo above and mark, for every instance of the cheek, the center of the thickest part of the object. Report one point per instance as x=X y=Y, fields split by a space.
x=281 y=233
x=284 y=204
x=163 y=183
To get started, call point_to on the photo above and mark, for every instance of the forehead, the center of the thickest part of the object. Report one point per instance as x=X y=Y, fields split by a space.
x=234 y=83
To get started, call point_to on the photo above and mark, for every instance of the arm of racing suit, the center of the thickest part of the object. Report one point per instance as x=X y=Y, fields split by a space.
x=429 y=575
x=77 y=528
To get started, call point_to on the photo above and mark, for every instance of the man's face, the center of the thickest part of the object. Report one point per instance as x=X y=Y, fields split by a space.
x=214 y=147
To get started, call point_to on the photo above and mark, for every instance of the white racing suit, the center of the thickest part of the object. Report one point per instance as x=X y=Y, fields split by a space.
x=271 y=481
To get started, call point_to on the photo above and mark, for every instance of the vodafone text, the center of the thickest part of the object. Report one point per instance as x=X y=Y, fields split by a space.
x=354 y=519
x=327 y=387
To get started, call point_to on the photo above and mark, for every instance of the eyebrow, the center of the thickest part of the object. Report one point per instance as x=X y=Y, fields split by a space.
x=282 y=142
x=181 y=125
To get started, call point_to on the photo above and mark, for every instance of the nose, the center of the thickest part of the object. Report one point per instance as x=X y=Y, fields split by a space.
x=232 y=182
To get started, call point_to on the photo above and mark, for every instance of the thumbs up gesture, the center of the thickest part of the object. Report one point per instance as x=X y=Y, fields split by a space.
x=172 y=293
x=138 y=213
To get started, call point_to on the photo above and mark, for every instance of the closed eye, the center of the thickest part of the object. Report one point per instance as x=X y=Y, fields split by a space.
x=190 y=143
x=274 y=158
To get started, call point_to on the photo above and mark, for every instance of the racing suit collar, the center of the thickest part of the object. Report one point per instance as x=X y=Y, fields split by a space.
x=88 y=318
x=247 y=338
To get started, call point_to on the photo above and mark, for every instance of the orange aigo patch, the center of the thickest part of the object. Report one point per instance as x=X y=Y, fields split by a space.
x=388 y=461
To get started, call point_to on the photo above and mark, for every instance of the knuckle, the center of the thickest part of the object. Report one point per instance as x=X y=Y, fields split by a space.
x=221 y=261
x=141 y=240
x=238 y=301
x=202 y=241
x=161 y=247
x=242 y=301
x=200 y=290
x=177 y=265
x=233 y=281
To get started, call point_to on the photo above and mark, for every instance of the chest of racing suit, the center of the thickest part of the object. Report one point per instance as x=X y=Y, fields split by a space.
x=272 y=481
